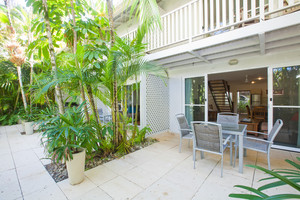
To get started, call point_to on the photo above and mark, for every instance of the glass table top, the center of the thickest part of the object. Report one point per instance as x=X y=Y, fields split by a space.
x=234 y=127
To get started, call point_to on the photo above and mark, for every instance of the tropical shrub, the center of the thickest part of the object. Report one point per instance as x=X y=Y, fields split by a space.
x=66 y=134
x=281 y=177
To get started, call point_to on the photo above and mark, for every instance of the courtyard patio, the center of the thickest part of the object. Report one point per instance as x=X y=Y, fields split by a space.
x=158 y=171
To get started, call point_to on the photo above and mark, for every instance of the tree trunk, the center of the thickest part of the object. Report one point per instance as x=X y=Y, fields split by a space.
x=21 y=87
x=115 y=86
x=76 y=61
x=31 y=62
x=86 y=112
x=53 y=59
x=31 y=82
x=7 y=2
x=92 y=103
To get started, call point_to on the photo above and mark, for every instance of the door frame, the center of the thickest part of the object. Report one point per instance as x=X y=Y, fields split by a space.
x=205 y=105
x=271 y=107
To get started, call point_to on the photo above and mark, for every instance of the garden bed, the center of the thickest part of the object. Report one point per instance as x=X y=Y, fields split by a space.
x=59 y=173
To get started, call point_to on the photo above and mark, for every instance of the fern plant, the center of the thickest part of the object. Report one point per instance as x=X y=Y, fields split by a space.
x=281 y=177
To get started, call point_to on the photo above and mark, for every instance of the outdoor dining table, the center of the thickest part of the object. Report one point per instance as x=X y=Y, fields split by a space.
x=239 y=130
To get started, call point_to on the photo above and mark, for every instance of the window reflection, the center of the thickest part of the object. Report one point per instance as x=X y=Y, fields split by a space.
x=286 y=86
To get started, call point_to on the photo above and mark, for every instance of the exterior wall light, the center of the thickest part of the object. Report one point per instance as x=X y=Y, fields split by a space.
x=233 y=62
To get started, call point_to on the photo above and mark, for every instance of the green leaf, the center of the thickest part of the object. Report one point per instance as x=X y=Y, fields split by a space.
x=276 y=184
x=283 y=196
x=46 y=52
x=272 y=173
x=293 y=164
x=252 y=190
x=245 y=196
x=4 y=18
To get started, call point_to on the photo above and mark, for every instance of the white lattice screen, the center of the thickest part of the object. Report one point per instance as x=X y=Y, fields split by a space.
x=157 y=104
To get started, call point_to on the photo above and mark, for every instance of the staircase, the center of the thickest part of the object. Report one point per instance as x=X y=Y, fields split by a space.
x=221 y=94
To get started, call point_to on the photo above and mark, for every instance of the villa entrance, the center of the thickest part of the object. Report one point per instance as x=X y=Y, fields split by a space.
x=260 y=97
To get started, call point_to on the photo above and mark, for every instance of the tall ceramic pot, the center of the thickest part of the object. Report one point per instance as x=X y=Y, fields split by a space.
x=75 y=167
x=28 y=128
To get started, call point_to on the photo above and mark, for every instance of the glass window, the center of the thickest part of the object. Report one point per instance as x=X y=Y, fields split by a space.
x=194 y=90
x=194 y=113
x=289 y=133
x=133 y=102
x=195 y=99
x=286 y=86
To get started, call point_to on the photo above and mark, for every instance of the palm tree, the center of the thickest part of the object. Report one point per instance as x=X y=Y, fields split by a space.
x=148 y=13
x=16 y=52
x=81 y=88
x=53 y=58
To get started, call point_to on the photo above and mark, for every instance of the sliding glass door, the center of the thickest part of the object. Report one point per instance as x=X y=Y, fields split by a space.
x=195 y=98
x=286 y=104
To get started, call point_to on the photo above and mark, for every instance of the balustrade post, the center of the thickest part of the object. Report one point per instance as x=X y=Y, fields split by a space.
x=262 y=10
x=190 y=22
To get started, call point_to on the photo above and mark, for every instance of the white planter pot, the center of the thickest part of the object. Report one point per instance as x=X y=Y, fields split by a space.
x=75 y=168
x=28 y=128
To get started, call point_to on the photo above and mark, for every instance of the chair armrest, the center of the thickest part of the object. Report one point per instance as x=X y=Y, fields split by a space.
x=227 y=139
x=258 y=139
x=185 y=130
x=257 y=132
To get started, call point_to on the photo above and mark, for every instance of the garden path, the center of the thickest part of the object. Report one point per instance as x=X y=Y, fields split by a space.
x=155 y=172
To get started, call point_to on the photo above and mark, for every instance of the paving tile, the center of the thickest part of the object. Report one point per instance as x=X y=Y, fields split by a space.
x=212 y=191
x=25 y=157
x=140 y=157
x=40 y=153
x=31 y=169
x=6 y=162
x=52 y=192
x=74 y=191
x=9 y=185
x=4 y=147
x=94 y=194
x=121 y=188
x=142 y=177
x=119 y=166
x=163 y=189
x=100 y=175
x=36 y=182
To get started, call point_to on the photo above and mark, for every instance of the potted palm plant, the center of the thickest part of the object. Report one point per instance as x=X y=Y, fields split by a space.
x=28 y=118
x=66 y=138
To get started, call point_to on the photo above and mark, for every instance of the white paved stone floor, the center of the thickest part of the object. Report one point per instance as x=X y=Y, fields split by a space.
x=155 y=172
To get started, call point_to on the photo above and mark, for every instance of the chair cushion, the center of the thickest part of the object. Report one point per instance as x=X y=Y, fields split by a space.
x=256 y=145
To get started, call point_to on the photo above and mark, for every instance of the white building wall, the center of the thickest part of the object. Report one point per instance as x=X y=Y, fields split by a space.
x=177 y=75
x=176 y=101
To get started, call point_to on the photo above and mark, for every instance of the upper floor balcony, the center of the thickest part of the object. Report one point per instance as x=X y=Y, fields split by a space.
x=200 y=19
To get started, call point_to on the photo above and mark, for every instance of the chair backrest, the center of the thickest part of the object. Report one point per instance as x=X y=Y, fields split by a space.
x=228 y=118
x=183 y=124
x=208 y=136
x=248 y=111
x=275 y=130
x=259 y=112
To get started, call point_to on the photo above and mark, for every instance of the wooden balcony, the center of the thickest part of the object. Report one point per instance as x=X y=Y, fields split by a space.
x=204 y=18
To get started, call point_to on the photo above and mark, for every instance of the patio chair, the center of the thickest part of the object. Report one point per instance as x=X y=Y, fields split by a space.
x=184 y=128
x=229 y=118
x=262 y=145
x=208 y=137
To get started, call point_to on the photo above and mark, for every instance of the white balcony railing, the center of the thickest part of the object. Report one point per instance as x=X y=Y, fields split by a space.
x=201 y=17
